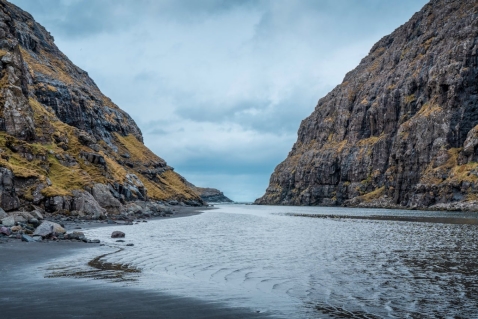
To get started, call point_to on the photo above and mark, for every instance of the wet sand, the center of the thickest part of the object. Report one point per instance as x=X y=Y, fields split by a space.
x=417 y=219
x=26 y=293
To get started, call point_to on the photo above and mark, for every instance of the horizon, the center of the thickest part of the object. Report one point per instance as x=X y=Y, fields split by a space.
x=221 y=92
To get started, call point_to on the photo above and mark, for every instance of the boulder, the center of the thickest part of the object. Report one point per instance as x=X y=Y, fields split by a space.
x=16 y=228
x=47 y=228
x=3 y=214
x=84 y=202
x=164 y=209
x=21 y=217
x=78 y=235
x=8 y=221
x=35 y=222
x=117 y=234
x=28 y=239
x=105 y=199
x=57 y=203
x=5 y=231
x=132 y=208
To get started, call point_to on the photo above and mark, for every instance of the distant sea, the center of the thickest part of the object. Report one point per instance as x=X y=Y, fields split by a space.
x=266 y=259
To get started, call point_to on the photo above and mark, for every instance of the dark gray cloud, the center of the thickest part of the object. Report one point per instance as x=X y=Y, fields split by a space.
x=219 y=87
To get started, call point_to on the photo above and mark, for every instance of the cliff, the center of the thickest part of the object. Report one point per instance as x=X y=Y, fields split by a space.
x=210 y=195
x=401 y=129
x=63 y=144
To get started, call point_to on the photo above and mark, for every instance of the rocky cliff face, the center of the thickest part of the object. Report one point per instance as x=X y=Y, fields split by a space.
x=63 y=144
x=211 y=195
x=401 y=130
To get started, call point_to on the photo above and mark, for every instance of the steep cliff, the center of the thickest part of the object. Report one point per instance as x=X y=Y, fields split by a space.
x=210 y=195
x=61 y=140
x=401 y=130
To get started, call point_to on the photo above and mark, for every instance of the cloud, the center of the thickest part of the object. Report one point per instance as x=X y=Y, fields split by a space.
x=219 y=87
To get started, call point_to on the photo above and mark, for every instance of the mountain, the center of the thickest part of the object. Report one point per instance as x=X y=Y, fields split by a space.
x=210 y=195
x=401 y=129
x=64 y=145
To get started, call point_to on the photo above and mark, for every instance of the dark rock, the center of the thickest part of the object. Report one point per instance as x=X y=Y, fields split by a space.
x=8 y=197
x=28 y=239
x=35 y=222
x=76 y=235
x=94 y=241
x=401 y=129
x=120 y=241
x=117 y=234
x=210 y=195
x=129 y=244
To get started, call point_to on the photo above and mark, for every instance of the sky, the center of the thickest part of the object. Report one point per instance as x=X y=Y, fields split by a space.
x=219 y=87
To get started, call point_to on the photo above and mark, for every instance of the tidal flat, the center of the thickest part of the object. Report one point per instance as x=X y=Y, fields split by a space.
x=246 y=261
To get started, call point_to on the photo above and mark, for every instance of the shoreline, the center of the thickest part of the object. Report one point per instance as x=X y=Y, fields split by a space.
x=416 y=219
x=28 y=292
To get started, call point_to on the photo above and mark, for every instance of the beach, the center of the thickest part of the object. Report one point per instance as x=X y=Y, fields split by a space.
x=26 y=293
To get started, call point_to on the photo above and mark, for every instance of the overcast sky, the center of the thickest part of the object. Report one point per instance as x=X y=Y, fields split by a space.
x=219 y=87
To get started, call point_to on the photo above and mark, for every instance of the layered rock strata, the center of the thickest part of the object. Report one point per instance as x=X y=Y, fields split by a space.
x=211 y=195
x=401 y=129
x=64 y=146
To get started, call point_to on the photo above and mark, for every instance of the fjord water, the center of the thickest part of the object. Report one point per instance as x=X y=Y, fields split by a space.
x=299 y=267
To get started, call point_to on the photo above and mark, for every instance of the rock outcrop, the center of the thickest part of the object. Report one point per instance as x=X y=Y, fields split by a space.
x=210 y=195
x=401 y=130
x=61 y=138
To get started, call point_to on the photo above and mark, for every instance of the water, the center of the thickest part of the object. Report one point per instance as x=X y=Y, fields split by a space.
x=298 y=267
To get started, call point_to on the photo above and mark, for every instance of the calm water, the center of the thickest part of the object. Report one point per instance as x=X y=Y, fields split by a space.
x=299 y=267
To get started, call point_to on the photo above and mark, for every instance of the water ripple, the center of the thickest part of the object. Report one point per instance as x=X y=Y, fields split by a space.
x=311 y=267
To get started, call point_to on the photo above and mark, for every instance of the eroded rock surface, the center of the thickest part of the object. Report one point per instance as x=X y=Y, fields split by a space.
x=62 y=140
x=401 y=129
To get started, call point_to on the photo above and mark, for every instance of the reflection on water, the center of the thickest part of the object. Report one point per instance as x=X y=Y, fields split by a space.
x=292 y=267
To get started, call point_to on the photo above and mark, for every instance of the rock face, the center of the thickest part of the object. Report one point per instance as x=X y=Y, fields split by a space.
x=401 y=130
x=210 y=195
x=59 y=134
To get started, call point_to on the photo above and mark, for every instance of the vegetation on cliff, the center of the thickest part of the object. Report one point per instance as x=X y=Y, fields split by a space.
x=59 y=133
x=401 y=129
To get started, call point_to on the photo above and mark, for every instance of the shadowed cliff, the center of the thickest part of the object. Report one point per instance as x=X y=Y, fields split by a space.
x=401 y=129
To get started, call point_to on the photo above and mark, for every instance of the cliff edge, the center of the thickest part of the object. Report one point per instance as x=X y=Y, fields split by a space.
x=64 y=146
x=401 y=129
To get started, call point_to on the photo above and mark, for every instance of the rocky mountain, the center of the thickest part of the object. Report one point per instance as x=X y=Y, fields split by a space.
x=210 y=195
x=401 y=129
x=64 y=146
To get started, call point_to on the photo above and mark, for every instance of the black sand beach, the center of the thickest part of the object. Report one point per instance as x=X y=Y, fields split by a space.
x=26 y=293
